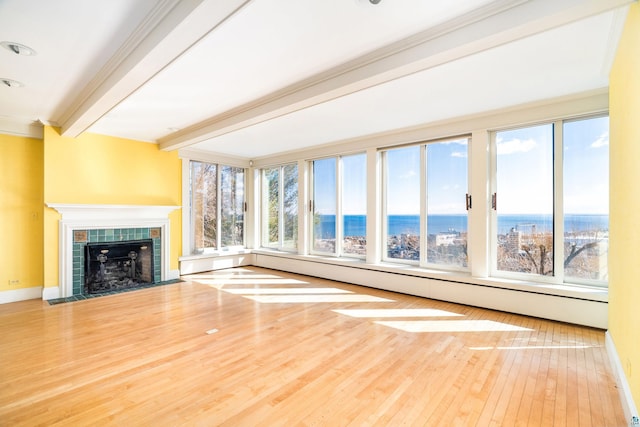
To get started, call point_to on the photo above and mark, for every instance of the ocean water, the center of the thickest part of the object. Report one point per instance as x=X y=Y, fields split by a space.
x=355 y=225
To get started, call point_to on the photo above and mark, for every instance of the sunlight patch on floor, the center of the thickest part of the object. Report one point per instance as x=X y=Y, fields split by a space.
x=536 y=347
x=397 y=312
x=219 y=283
x=450 y=325
x=280 y=299
x=279 y=291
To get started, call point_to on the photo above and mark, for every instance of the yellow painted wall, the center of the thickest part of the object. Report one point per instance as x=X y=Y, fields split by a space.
x=97 y=169
x=21 y=193
x=624 y=234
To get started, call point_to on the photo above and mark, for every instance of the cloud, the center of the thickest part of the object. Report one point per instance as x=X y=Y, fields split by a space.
x=602 y=141
x=409 y=174
x=515 y=145
x=459 y=154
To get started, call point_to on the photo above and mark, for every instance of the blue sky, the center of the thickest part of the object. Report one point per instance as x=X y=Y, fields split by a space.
x=524 y=179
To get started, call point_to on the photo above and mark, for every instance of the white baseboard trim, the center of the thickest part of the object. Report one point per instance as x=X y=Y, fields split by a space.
x=22 y=294
x=202 y=263
x=51 y=292
x=628 y=405
x=173 y=274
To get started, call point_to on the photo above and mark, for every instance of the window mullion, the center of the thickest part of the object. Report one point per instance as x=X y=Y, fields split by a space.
x=558 y=208
x=339 y=221
x=423 y=205
x=281 y=222
x=218 y=207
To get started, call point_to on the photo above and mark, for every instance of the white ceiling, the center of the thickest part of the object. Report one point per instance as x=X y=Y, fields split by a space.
x=256 y=78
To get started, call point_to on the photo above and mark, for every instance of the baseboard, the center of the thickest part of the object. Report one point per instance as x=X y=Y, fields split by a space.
x=52 y=292
x=173 y=274
x=20 y=294
x=628 y=405
x=202 y=263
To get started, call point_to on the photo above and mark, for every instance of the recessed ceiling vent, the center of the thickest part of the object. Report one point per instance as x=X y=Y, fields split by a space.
x=18 y=49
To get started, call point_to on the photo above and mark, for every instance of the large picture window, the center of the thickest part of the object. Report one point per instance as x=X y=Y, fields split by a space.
x=425 y=204
x=586 y=199
x=217 y=206
x=280 y=207
x=524 y=200
x=339 y=194
x=551 y=201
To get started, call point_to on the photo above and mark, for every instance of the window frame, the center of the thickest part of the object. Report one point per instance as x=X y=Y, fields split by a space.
x=339 y=215
x=264 y=217
x=218 y=182
x=422 y=262
x=558 y=277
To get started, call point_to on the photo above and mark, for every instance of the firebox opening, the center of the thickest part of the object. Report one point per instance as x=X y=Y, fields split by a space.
x=113 y=266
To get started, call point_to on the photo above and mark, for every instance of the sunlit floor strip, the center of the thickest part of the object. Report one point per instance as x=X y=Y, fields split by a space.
x=535 y=347
x=450 y=325
x=276 y=291
x=397 y=312
x=249 y=281
x=279 y=299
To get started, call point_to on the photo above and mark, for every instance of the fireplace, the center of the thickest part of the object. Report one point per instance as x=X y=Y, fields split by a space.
x=113 y=266
x=85 y=225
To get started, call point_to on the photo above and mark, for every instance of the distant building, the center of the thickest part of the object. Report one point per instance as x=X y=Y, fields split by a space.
x=514 y=240
x=446 y=239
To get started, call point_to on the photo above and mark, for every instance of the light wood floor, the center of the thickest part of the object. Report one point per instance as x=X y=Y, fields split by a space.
x=254 y=347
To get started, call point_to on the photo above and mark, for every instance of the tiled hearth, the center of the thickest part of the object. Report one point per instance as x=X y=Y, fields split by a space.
x=105 y=235
x=82 y=224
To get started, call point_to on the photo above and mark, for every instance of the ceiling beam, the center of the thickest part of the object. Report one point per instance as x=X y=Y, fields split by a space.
x=170 y=29
x=498 y=23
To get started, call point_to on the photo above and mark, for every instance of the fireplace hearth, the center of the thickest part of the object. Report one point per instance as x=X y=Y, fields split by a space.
x=113 y=266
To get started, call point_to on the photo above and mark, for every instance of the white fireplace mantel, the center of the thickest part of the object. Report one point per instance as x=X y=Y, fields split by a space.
x=89 y=216
x=111 y=212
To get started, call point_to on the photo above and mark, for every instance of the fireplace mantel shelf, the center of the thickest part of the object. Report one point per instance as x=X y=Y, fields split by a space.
x=111 y=212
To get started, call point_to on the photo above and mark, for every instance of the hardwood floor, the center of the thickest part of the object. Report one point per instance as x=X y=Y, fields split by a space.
x=249 y=347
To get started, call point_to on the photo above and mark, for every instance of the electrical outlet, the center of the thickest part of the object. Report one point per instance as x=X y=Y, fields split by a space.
x=14 y=282
x=635 y=421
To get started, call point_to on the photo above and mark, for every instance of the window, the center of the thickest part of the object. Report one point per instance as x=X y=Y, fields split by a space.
x=551 y=201
x=354 y=204
x=425 y=193
x=339 y=206
x=216 y=225
x=402 y=203
x=232 y=206
x=204 y=211
x=447 y=178
x=324 y=206
x=523 y=200
x=586 y=199
x=280 y=207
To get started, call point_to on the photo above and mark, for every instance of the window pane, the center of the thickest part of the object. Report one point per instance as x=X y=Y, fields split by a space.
x=290 y=206
x=270 y=206
x=354 y=204
x=402 y=204
x=446 y=206
x=324 y=202
x=524 y=180
x=586 y=198
x=203 y=205
x=232 y=209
